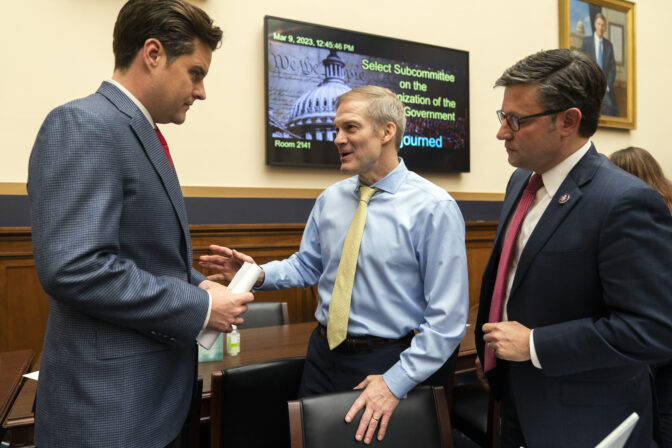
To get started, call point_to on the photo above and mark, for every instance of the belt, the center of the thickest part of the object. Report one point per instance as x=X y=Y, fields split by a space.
x=353 y=344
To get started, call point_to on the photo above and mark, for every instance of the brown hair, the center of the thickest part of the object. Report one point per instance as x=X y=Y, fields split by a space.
x=174 y=23
x=565 y=78
x=640 y=162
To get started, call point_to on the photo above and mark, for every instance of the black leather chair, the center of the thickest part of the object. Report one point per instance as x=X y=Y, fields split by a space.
x=248 y=407
x=265 y=314
x=421 y=420
x=445 y=377
x=475 y=413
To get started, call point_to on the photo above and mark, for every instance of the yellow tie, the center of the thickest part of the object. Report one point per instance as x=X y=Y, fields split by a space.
x=339 y=307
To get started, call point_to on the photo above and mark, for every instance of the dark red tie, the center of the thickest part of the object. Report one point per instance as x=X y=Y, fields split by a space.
x=505 y=258
x=165 y=147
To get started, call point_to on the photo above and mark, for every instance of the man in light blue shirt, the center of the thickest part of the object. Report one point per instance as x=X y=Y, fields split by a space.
x=411 y=271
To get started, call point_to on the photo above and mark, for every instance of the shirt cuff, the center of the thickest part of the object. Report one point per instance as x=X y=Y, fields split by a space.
x=207 y=315
x=254 y=287
x=398 y=381
x=264 y=267
x=533 y=352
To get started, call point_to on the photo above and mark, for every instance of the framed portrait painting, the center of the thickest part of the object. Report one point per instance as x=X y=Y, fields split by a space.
x=605 y=30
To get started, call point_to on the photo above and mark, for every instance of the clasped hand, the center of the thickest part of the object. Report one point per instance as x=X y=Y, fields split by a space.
x=508 y=340
x=227 y=306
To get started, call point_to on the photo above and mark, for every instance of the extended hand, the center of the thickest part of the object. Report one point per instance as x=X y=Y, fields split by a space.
x=509 y=340
x=378 y=403
x=226 y=261
x=227 y=306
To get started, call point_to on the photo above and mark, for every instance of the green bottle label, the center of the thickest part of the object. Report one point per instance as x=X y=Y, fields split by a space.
x=233 y=343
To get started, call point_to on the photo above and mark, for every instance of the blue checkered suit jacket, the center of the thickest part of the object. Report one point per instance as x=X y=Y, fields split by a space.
x=112 y=250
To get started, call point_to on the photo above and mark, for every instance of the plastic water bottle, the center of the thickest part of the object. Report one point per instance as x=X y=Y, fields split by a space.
x=233 y=341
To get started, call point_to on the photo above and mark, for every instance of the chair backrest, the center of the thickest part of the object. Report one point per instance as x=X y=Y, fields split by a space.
x=249 y=403
x=445 y=376
x=475 y=413
x=265 y=314
x=419 y=420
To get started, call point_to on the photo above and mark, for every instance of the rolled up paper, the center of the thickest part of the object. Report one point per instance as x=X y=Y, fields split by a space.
x=243 y=281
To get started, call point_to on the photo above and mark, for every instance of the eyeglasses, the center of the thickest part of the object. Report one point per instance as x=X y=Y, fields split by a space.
x=514 y=121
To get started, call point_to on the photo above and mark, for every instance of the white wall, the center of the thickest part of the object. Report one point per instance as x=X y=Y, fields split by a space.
x=57 y=50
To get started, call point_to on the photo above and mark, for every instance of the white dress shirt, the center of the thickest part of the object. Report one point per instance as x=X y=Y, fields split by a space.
x=598 y=44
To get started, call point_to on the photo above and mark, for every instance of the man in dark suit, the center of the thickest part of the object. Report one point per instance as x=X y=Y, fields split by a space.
x=112 y=246
x=600 y=49
x=576 y=297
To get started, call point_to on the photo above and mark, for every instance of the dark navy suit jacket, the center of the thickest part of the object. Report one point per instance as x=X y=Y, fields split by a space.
x=594 y=283
x=112 y=250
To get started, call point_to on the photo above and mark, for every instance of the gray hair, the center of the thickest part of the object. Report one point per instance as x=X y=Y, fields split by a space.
x=565 y=78
x=383 y=106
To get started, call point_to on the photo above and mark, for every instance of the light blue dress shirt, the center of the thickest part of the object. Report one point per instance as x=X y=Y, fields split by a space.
x=411 y=270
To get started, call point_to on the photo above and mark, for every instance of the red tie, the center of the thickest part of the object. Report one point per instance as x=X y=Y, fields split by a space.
x=165 y=147
x=505 y=258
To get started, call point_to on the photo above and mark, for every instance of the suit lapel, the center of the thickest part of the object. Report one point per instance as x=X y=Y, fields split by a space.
x=556 y=212
x=516 y=188
x=150 y=143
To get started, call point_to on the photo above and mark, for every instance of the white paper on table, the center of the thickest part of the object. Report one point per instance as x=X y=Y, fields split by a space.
x=32 y=375
x=243 y=281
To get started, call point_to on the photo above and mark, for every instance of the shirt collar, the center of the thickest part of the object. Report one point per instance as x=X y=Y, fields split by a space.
x=597 y=39
x=554 y=177
x=394 y=179
x=137 y=102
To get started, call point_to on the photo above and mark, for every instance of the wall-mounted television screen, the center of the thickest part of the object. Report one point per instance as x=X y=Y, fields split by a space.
x=308 y=66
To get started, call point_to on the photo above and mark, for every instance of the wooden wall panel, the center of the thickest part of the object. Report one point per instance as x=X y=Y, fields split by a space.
x=24 y=305
x=27 y=306
x=479 y=239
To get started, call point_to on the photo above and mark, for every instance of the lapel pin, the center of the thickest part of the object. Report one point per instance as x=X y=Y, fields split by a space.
x=563 y=199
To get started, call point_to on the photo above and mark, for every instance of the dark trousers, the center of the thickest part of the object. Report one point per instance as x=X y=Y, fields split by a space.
x=662 y=374
x=190 y=431
x=511 y=433
x=335 y=371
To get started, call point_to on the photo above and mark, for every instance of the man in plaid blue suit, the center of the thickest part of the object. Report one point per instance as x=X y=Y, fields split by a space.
x=112 y=246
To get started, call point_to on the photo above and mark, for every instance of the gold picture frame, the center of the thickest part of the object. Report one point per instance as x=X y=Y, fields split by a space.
x=583 y=23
